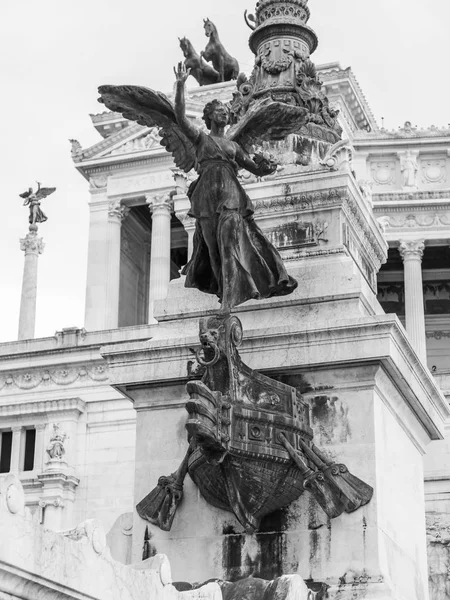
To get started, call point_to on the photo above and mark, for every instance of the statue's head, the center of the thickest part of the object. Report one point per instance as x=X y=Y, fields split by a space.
x=217 y=112
x=209 y=27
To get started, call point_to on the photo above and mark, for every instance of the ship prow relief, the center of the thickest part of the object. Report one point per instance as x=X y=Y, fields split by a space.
x=251 y=448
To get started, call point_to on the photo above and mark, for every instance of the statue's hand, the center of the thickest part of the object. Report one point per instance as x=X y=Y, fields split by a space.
x=181 y=73
x=266 y=165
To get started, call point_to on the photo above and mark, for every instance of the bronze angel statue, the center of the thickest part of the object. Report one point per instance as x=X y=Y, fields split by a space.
x=231 y=257
x=33 y=201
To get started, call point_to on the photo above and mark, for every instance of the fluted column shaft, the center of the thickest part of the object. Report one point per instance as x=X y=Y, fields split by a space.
x=412 y=253
x=39 y=447
x=15 y=450
x=161 y=209
x=116 y=214
x=32 y=245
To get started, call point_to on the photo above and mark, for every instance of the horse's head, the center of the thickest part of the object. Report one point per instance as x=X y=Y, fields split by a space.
x=209 y=26
x=186 y=46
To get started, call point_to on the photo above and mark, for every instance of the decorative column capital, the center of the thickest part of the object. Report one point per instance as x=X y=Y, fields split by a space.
x=32 y=244
x=117 y=211
x=161 y=204
x=411 y=250
x=183 y=216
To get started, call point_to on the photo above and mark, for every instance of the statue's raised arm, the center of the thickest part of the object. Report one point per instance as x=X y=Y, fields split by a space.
x=188 y=128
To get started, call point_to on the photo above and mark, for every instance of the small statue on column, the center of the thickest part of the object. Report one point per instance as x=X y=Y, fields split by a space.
x=409 y=169
x=55 y=449
x=33 y=201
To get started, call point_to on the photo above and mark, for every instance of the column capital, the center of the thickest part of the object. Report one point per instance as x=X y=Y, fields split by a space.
x=161 y=203
x=17 y=428
x=117 y=211
x=411 y=250
x=32 y=244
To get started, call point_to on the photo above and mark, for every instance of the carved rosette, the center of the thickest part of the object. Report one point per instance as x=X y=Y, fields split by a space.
x=32 y=244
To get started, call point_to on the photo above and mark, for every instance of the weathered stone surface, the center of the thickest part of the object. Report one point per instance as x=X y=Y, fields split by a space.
x=38 y=563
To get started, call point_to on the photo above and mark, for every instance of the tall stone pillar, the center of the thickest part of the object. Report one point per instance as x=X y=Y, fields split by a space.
x=39 y=447
x=32 y=245
x=15 y=450
x=94 y=319
x=412 y=253
x=116 y=213
x=189 y=226
x=161 y=209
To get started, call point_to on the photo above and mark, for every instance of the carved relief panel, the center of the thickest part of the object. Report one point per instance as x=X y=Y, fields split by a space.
x=433 y=170
x=384 y=172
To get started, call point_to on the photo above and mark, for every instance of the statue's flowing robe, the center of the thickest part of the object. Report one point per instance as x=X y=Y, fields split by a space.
x=231 y=257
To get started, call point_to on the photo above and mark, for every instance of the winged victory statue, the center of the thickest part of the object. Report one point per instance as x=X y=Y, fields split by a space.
x=33 y=201
x=231 y=257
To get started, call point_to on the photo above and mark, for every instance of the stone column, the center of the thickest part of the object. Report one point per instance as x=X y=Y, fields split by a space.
x=32 y=245
x=161 y=209
x=116 y=213
x=97 y=254
x=412 y=253
x=15 y=450
x=189 y=227
x=39 y=447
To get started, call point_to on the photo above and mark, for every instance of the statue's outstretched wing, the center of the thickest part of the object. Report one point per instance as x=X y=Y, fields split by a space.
x=150 y=108
x=44 y=192
x=25 y=194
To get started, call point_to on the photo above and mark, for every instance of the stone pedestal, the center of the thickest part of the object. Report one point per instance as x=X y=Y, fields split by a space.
x=361 y=416
x=32 y=245
x=373 y=406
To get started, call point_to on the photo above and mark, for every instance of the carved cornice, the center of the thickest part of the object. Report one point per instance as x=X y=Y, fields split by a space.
x=369 y=241
x=110 y=141
x=413 y=196
x=328 y=199
x=60 y=376
x=74 y=405
x=32 y=244
x=411 y=250
x=405 y=132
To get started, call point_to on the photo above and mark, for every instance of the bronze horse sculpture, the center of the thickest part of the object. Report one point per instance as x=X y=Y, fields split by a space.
x=223 y=63
x=199 y=68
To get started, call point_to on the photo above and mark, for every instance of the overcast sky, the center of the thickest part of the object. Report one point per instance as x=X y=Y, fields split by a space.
x=54 y=54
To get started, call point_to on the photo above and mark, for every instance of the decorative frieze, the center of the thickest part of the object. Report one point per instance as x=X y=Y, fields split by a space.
x=413 y=220
x=27 y=380
x=44 y=407
x=415 y=196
